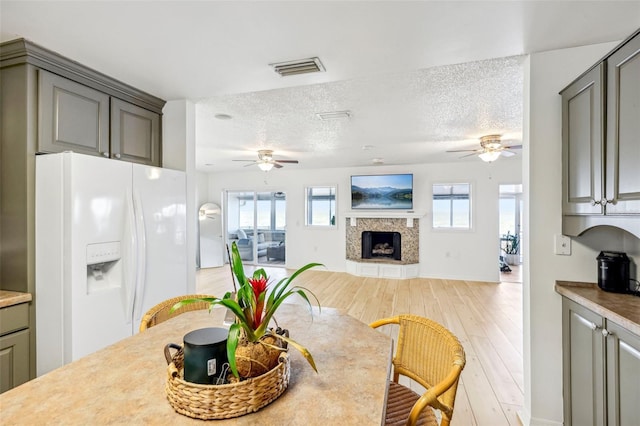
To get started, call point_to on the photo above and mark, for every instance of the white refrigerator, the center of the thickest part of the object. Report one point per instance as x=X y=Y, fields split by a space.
x=110 y=244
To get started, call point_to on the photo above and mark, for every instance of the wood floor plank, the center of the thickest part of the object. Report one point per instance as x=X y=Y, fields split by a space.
x=486 y=318
x=503 y=383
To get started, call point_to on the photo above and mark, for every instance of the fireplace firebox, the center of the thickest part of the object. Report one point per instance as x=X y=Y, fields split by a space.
x=381 y=245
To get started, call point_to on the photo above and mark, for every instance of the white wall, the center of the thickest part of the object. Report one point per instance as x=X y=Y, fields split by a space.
x=444 y=254
x=547 y=74
x=178 y=152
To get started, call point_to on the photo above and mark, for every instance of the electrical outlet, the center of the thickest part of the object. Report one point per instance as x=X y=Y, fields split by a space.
x=562 y=245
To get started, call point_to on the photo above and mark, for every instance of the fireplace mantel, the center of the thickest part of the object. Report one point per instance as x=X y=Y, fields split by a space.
x=383 y=214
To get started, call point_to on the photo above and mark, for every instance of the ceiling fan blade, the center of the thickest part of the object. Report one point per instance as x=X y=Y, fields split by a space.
x=287 y=161
x=506 y=153
x=253 y=161
x=514 y=147
x=464 y=150
x=468 y=155
x=276 y=165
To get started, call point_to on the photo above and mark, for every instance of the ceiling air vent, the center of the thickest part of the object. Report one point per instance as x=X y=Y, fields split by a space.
x=334 y=115
x=301 y=66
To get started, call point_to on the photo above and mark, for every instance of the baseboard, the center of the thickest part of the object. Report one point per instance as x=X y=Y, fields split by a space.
x=525 y=419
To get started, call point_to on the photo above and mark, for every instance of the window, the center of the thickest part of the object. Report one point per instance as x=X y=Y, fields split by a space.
x=321 y=206
x=452 y=206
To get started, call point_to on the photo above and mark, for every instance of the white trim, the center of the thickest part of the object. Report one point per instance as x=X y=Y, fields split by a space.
x=380 y=214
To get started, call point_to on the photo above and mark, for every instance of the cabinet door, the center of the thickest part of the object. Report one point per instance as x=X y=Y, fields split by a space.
x=583 y=362
x=582 y=144
x=623 y=376
x=14 y=360
x=71 y=117
x=135 y=134
x=623 y=129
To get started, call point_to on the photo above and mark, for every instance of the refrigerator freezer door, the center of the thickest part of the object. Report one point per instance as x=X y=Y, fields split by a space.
x=82 y=297
x=160 y=199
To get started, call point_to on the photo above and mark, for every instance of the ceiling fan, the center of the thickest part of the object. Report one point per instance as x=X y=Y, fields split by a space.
x=266 y=162
x=491 y=148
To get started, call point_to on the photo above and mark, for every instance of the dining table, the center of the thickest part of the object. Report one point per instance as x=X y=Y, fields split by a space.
x=124 y=383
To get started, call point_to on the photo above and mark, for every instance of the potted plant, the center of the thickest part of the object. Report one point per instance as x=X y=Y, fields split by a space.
x=252 y=347
x=511 y=248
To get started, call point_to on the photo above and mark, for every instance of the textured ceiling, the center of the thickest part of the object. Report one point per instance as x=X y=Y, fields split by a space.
x=402 y=118
x=389 y=62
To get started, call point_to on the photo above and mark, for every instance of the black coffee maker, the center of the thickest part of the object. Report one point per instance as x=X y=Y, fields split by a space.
x=613 y=271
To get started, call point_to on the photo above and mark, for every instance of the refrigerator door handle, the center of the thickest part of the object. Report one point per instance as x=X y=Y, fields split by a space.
x=132 y=244
x=141 y=275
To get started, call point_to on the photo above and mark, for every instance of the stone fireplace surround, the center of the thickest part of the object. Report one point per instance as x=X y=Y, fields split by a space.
x=410 y=238
x=405 y=224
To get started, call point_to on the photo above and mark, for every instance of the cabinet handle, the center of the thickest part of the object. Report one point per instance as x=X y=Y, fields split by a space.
x=105 y=154
x=595 y=202
x=607 y=333
x=604 y=202
x=593 y=326
x=117 y=156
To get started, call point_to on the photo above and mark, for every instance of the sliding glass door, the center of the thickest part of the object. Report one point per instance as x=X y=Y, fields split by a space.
x=256 y=221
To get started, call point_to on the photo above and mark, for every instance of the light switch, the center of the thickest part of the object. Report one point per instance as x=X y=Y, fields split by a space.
x=562 y=245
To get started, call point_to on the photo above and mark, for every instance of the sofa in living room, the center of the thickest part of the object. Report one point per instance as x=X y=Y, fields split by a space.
x=265 y=241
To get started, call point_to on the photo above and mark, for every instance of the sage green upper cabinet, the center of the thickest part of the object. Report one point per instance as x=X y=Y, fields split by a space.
x=582 y=114
x=135 y=133
x=72 y=116
x=601 y=144
x=70 y=107
x=623 y=130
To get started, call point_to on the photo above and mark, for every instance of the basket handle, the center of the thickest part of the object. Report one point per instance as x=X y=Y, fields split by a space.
x=167 y=351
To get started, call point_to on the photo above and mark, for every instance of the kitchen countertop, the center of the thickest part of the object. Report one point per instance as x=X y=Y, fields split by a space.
x=623 y=309
x=10 y=298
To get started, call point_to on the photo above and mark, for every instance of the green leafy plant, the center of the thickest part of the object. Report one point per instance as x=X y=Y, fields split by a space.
x=254 y=306
x=512 y=245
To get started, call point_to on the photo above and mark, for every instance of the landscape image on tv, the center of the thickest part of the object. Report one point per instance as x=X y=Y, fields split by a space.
x=382 y=192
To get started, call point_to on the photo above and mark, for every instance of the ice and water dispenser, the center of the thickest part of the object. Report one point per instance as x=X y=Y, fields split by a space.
x=104 y=268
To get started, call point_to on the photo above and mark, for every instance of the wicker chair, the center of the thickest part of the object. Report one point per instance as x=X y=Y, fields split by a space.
x=160 y=312
x=432 y=356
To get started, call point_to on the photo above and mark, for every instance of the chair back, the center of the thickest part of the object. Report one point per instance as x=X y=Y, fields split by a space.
x=161 y=312
x=429 y=354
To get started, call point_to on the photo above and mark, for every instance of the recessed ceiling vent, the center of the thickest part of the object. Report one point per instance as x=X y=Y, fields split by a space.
x=301 y=66
x=334 y=115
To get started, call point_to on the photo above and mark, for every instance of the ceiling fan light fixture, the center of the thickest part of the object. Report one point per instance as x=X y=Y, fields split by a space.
x=265 y=166
x=489 y=156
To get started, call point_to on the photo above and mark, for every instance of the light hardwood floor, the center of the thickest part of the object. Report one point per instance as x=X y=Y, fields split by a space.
x=486 y=317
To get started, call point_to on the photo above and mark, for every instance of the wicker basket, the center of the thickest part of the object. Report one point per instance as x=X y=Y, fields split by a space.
x=208 y=402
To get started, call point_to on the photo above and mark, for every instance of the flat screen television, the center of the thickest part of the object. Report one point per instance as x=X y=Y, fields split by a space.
x=382 y=192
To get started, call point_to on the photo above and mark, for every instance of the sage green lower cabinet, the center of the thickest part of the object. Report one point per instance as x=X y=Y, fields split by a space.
x=14 y=346
x=623 y=376
x=601 y=370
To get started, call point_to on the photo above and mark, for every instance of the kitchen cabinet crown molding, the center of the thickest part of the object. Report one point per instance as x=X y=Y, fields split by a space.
x=21 y=51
